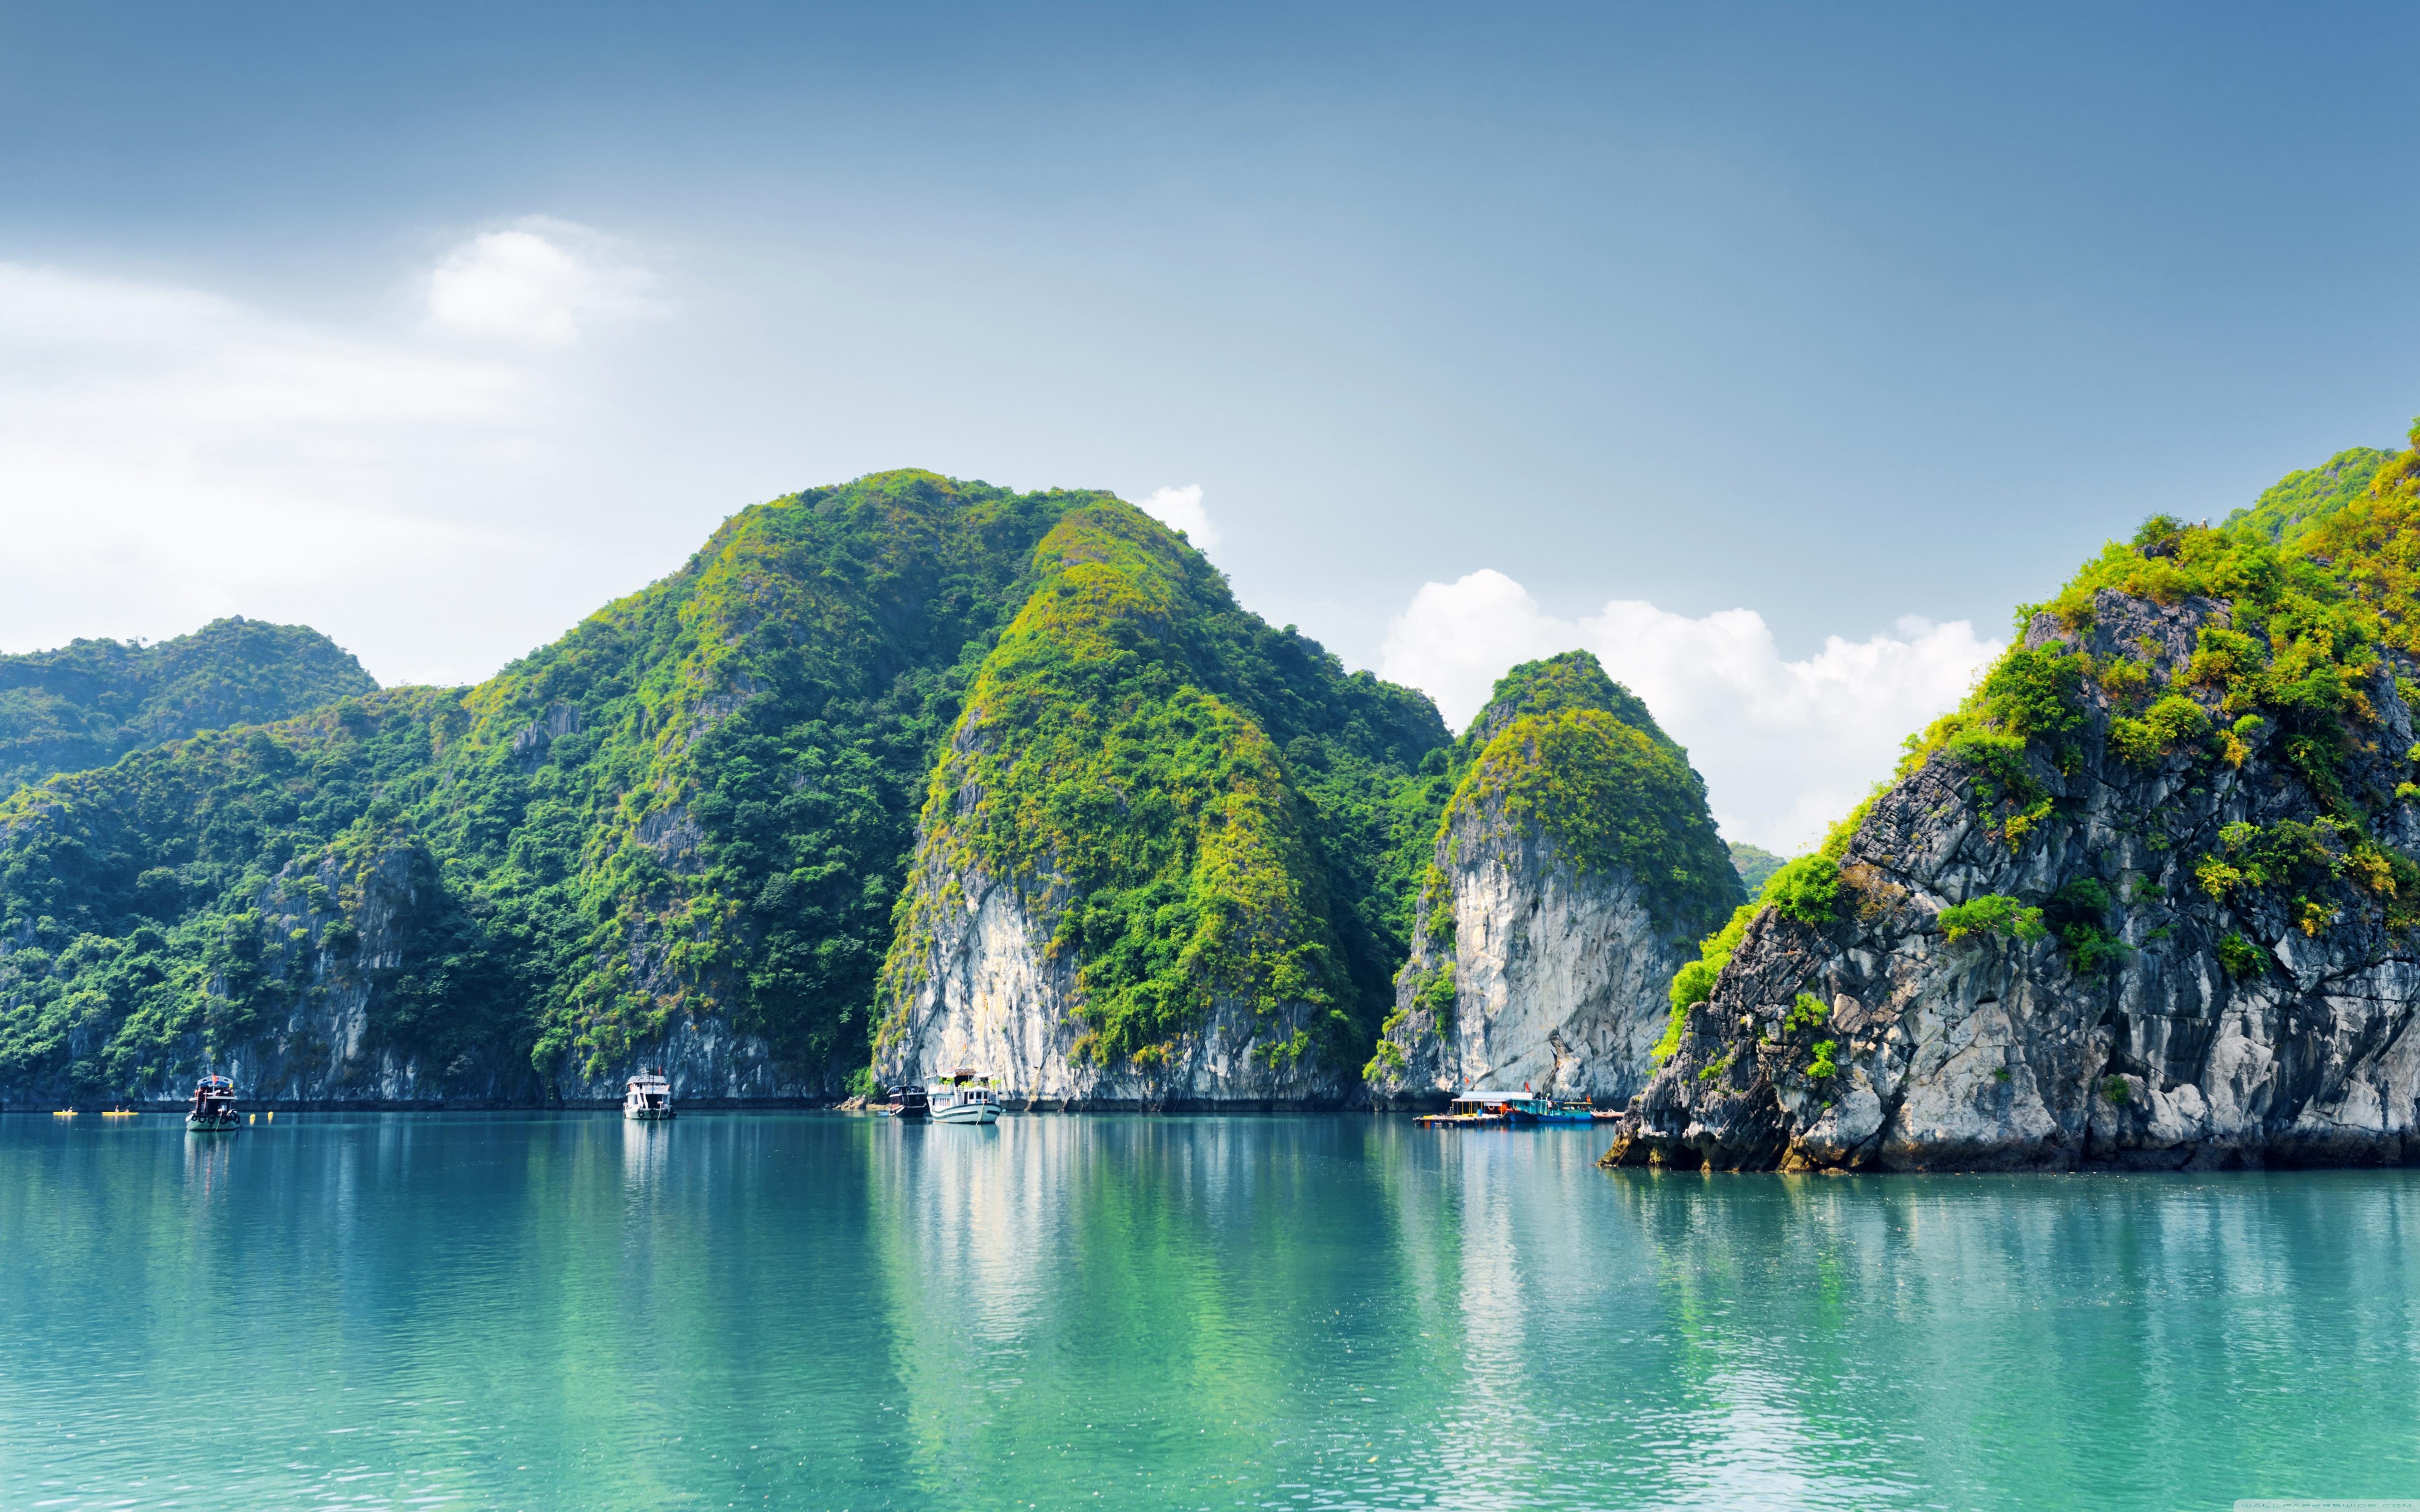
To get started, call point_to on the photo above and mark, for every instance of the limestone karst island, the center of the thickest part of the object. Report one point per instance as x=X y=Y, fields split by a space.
x=1516 y=757
x=910 y=775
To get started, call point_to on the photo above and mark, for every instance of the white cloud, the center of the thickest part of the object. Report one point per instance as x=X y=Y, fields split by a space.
x=534 y=284
x=167 y=454
x=1181 y=509
x=1786 y=746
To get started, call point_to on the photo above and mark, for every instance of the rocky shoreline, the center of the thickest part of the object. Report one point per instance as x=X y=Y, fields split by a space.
x=2181 y=966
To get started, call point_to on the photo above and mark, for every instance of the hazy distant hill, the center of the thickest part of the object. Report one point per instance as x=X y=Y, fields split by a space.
x=1753 y=863
x=89 y=702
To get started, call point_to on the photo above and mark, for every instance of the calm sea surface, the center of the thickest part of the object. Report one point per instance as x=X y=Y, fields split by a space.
x=814 y=1310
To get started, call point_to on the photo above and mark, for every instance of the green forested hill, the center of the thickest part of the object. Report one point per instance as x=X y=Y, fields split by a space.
x=91 y=701
x=694 y=813
x=1564 y=748
x=1208 y=808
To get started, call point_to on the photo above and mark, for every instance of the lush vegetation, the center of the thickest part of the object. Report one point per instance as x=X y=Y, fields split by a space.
x=2298 y=501
x=702 y=798
x=2321 y=577
x=1994 y=913
x=1204 y=806
x=1563 y=750
x=91 y=701
x=2312 y=604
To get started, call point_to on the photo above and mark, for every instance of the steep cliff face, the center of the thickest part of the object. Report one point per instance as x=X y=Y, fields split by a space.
x=2149 y=904
x=1574 y=867
x=673 y=836
x=1144 y=872
x=1554 y=979
x=992 y=994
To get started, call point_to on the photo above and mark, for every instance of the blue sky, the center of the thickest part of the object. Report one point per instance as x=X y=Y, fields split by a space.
x=436 y=327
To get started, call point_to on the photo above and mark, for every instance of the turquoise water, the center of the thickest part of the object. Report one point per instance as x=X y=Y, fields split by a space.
x=812 y=1310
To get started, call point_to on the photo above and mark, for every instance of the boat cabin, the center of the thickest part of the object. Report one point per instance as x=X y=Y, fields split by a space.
x=213 y=1105
x=963 y=1097
x=648 y=1096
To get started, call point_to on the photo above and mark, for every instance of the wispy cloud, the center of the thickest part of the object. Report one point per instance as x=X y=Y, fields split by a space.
x=1786 y=746
x=1181 y=509
x=168 y=454
x=148 y=429
x=536 y=283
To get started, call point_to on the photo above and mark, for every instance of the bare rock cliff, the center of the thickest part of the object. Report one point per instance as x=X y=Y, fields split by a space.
x=1574 y=867
x=2212 y=980
x=986 y=993
x=1541 y=975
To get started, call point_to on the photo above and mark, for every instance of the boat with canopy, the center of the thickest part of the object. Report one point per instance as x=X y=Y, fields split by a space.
x=214 y=1110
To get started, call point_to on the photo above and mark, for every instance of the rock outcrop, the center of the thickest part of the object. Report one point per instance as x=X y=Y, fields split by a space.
x=1554 y=979
x=2195 y=952
x=1123 y=896
x=1541 y=952
x=992 y=994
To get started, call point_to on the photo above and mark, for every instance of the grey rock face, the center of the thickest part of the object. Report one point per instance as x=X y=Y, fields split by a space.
x=1557 y=977
x=1993 y=1052
x=987 y=994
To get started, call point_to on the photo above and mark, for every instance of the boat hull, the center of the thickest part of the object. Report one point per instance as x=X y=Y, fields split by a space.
x=968 y=1112
x=648 y=1115
x=209 y=1125
x=1525 y=1119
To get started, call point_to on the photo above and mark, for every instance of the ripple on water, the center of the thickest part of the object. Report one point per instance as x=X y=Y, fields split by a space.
x=1291 y=1312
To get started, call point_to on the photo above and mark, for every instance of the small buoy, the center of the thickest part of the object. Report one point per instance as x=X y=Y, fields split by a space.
x=272 y=1115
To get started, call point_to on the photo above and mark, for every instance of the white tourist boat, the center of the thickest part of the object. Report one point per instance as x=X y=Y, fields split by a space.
x=963 y=1097
x=650 y=1097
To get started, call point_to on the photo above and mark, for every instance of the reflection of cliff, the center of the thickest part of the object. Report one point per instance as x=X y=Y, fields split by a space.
x=1490 y=1421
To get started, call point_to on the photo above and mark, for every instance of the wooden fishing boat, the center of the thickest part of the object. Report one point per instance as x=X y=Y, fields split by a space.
x=214 y=1110
x=909 y=1103
x=1471 y=1110
x=1530 y=1112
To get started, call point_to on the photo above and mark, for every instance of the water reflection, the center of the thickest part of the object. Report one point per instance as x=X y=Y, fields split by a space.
x=647 y=1155
x=206 y=1167
x=558 y=1312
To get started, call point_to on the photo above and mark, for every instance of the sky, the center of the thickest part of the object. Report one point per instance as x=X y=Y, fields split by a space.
x=1773 y=354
